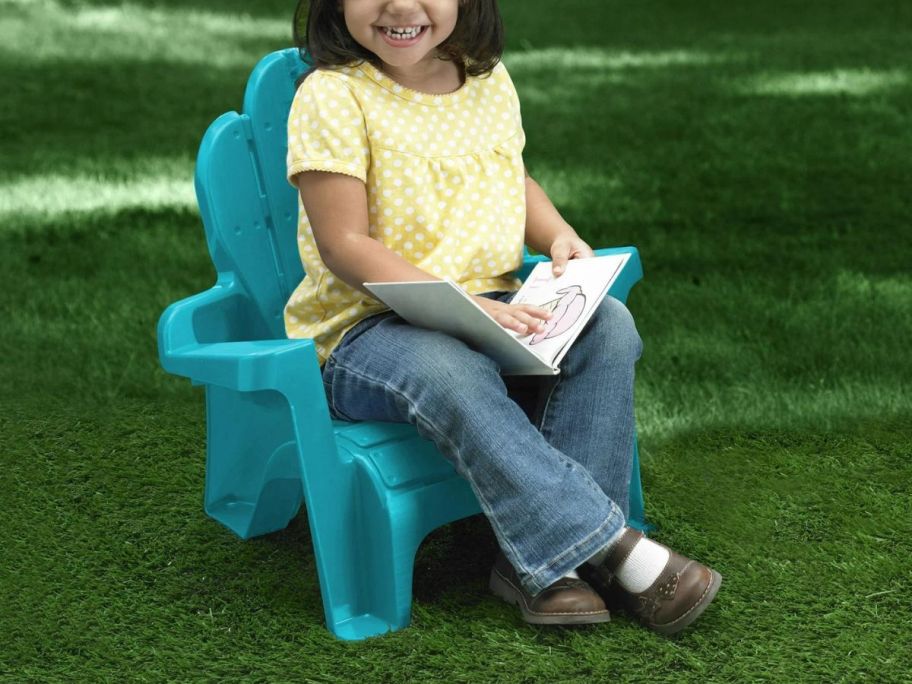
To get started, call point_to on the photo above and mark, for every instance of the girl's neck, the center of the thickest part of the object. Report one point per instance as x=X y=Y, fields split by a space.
x=436 y=77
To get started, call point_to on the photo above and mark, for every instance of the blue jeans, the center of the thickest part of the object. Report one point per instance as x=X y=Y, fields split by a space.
x=549 y=457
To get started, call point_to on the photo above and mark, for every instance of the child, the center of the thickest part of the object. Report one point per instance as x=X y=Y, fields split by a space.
x=405 y=143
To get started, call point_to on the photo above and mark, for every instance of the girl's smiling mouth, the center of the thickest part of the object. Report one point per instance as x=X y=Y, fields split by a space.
x=402 y=36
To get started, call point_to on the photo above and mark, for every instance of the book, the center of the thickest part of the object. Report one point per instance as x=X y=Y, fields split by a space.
x=571 y=297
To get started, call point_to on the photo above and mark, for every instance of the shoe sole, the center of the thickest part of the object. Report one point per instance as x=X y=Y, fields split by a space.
x=503 y=588
x=673 y=628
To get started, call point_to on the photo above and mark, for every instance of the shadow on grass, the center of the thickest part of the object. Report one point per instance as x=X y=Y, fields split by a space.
x=123 y=112
x=84 y=296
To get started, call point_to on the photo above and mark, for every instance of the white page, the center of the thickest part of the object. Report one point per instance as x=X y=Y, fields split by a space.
x=571 y=297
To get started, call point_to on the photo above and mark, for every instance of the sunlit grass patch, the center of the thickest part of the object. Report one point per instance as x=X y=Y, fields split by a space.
x=663 y=415
x=47 y=31
x=592 y=194
x=53 y=195
x=562 y=75
x=895 y=291
x=855 y=82
x=568 y=185
x=596 y=59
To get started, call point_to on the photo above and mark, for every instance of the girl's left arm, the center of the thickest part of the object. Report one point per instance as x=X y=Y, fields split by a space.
x=547 y=231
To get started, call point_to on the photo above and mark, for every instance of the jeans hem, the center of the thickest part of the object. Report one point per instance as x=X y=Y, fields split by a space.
x=577 y=554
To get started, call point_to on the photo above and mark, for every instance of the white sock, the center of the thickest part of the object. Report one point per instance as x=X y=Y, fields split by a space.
x=641 y=568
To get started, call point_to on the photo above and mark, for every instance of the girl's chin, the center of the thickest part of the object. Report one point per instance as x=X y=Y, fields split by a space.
x=402 y=61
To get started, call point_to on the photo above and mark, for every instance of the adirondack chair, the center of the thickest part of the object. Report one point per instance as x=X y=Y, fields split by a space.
x=372 y=490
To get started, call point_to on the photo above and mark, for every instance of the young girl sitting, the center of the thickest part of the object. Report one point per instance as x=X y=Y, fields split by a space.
x=406 y=145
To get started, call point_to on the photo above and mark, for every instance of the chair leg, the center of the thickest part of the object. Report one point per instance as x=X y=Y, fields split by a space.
x=366 y=571
x=637 y=515
x=253 y=477
x=390 y=537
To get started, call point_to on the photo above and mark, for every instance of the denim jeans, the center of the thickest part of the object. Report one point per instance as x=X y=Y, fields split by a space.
x=549 y=457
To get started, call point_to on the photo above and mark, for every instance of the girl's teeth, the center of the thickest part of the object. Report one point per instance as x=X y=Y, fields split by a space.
x=401 y=34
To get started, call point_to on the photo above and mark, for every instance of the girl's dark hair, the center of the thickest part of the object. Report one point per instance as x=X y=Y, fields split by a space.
x=477 y=41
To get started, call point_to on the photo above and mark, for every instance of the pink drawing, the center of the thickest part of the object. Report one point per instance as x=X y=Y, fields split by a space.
x=565 y=310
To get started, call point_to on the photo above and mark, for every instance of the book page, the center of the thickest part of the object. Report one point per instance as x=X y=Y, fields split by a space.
x=571 y=298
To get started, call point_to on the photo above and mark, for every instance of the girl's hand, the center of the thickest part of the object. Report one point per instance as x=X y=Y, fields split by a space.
x=523 y=318
x=566 y=246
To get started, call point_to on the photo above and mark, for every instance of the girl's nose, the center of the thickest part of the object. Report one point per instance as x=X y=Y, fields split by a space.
x=404 y=10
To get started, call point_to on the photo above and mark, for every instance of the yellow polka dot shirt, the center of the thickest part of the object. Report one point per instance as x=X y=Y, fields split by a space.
x=445 y=184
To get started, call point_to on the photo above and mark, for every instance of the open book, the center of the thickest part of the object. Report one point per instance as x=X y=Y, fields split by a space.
x=571 y=297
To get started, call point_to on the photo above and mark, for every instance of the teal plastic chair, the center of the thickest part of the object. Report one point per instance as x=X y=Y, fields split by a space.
x=372 y=490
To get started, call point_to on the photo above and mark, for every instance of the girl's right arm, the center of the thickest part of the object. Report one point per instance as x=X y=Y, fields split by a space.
x=336 y=207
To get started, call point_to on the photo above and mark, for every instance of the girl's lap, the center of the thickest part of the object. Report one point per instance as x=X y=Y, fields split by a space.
x=384 y=357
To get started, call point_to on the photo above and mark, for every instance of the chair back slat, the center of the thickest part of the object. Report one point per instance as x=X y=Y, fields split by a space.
x=248 y=208
x=267 y=102
x=235 y=217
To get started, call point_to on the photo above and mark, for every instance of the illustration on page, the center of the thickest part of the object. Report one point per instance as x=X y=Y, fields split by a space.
x=566 y=311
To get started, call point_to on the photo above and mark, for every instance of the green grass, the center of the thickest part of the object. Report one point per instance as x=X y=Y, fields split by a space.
x=760 y=157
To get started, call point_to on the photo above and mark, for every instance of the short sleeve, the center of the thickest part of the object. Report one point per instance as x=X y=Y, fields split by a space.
x=513 y=103
x=326 y=129
x=512 y=96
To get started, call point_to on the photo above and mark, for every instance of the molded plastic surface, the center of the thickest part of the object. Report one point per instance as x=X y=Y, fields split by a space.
x=373 y=490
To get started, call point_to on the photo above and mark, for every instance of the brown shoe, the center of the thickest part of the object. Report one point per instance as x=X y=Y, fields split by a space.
x=679 y=595
x=566 y=602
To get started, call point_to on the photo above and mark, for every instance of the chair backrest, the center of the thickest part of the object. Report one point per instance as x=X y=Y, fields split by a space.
x=248 y=208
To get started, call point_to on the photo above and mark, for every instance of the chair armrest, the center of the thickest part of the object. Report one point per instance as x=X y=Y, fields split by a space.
x=243 y=366
x=198 y=339
x=204 y=317
x=633 y=270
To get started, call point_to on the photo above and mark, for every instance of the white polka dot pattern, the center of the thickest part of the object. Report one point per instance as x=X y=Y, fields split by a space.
x=445 y=184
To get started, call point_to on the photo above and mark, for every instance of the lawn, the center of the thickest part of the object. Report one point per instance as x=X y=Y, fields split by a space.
x=759 y=155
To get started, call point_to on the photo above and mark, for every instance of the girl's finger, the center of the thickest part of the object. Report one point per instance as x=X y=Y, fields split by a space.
x=581 y=251
x=559 y=256
x=538 y=319
x=510 y=322
x=531 y=322
x=535 y=311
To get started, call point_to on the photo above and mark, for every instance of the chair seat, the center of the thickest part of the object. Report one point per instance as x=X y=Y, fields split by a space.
x=401 y=456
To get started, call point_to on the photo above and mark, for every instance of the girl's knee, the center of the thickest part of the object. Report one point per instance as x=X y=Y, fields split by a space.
x=615 y=325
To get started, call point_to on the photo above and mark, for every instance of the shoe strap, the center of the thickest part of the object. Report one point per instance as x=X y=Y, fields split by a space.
x=622 y=549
